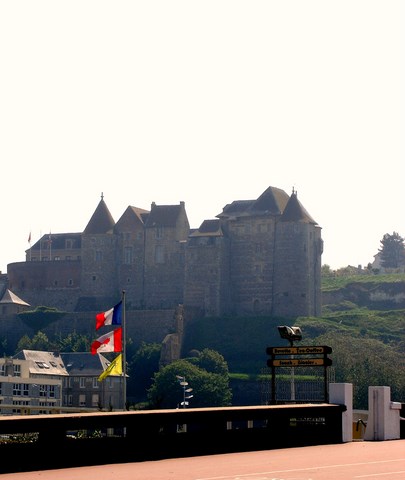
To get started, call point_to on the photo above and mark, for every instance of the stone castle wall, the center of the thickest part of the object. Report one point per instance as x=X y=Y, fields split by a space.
x=141 y=326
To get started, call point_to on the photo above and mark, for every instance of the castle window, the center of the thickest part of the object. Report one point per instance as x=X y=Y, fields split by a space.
x=128 y=255
x=70 y=282
x=55 y=283
x=16 y=370
x=56 y=257
x=68 y=257
x=95 y=400
x=159 y=232
x=69 y=244
x=159 y=254
x=94 y=278
x=99 y=256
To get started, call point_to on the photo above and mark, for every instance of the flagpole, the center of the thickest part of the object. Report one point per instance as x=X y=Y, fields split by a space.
x=124 y=359
x=29 y=242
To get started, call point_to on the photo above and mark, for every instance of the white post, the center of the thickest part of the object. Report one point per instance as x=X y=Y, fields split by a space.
x=383 y=421
x=342 y=394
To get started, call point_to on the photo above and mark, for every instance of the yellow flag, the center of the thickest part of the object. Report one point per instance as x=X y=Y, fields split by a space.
x=115 y=368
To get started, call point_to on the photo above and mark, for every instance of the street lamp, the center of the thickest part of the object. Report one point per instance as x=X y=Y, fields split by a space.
x=291 y=334
x=186 y=391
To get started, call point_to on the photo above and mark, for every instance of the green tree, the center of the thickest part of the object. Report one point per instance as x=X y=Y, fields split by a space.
x=209 y=389
x=24 y=343
x=142 y=365
x=326 y=271
x=211 y=361
x=73 y=342
x=364 y=362
x=40 y=342
x=392 y=251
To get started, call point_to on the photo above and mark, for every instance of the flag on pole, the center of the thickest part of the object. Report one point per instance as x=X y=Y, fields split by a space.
x=115 y=368
x=110 y=342
x=29 y=238
x=110 y=317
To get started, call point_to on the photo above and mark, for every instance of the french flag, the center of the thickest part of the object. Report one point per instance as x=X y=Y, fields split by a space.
x=110 y=317
x=110 y=342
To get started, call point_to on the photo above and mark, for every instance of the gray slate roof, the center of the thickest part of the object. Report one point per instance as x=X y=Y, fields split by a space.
x=44 y=363
x=11 y=298
x=101 y=220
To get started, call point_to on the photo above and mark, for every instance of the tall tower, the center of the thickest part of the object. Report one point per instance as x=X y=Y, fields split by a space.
x=297 y=272
x=99 y=266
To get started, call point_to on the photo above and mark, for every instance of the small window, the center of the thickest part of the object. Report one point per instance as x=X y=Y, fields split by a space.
x=159 y=232
x=42 y=365
x=159 y=254
x=128 y=255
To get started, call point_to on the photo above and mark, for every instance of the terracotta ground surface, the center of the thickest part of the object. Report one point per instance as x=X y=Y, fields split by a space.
x=354 y=460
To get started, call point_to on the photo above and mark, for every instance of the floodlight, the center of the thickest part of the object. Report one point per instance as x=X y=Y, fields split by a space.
x=290 y=333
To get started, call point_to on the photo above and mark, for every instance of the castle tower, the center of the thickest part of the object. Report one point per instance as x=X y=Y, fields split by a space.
x=206 y=287
x=166 y=233
x=250 y=226
x=297 y=269
x=99 y=259
x=130 y=232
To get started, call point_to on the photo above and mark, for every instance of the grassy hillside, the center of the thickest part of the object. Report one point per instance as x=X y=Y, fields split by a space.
x=368 y=345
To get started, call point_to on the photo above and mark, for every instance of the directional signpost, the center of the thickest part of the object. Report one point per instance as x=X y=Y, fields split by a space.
x=303 y=356
x=299 y=362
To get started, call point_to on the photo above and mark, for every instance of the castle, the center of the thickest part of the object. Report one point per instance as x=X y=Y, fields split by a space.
x=257 y=257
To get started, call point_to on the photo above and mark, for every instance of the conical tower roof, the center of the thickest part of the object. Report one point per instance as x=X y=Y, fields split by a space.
x=10 y=297
x=295 y=212
x=101 y=220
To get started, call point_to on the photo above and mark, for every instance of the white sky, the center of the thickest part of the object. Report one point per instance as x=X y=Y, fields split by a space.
x=204 y=102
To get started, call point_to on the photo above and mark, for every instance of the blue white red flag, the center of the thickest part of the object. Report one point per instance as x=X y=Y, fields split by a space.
x=110 y=317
